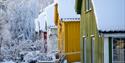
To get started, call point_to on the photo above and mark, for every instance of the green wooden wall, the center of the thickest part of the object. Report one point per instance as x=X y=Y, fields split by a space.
x=88 y=27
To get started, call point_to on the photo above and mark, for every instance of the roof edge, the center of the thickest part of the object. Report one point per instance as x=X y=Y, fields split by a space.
x=78 y=6
x=70 y=19
x=115 y=31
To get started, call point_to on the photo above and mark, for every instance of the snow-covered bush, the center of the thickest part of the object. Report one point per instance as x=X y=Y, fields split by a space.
x=38 y=56
x=8 y=62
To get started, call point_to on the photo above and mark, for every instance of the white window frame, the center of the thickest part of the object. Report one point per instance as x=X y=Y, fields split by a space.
x=84 y=41
x=113 y=51
x=88 y=5
x=92 y=47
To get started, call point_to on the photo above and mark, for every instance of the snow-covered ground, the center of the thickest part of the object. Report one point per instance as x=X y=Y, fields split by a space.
x=34 y=56
x=8 y=62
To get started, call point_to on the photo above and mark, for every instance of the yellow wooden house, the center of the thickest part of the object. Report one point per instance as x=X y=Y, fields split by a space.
x=68 y=24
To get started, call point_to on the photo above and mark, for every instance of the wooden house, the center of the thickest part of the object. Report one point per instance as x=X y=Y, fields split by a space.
x=67 y=22
x=104 y=21
x=91 y=44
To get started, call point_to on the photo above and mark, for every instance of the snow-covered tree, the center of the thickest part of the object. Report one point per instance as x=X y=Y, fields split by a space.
x=17 y=31
x=4 y=32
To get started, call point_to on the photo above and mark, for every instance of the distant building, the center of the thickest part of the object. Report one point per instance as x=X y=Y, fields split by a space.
x=52 y=38
x=41 y=26
x=41 y=29
x=114 y=46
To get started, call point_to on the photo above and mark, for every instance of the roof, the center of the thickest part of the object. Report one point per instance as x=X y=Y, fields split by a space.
x=53 y=27
x=70 y=19
x=122 y=31
x=78 y=6
x=40 y=22
x=66 y=9
x=110 y=14
x=50 y=15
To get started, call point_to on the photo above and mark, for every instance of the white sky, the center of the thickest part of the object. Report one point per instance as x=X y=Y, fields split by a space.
x=110 y=14
x=67 y=9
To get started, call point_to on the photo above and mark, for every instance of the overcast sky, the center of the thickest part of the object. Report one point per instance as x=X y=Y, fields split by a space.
x=110 y=14
x=66 y=9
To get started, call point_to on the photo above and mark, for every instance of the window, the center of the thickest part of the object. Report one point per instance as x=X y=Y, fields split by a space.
x=84 y=41
x=88 y=5
x=118 y=50
x=60 y=27
x=92 y=48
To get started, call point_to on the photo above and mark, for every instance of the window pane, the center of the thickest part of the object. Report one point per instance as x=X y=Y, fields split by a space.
x=118 y=50
x=88 y=5
x=93 y=40
x=84 y=41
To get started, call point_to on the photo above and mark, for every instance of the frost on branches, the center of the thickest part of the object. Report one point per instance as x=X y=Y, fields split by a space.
x=17 y=30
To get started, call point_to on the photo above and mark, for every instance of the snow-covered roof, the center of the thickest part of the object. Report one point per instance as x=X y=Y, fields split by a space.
x=46 y=15
x=40 y=22
x=110 y=14
x=66 y=9
x=50 y=14
x=52 y=26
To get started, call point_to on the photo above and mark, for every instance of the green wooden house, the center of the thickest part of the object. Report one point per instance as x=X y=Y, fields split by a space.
x=102 y=26
x=91 y=42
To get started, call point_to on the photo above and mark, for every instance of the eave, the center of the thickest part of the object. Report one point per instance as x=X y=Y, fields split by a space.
x=78 y=6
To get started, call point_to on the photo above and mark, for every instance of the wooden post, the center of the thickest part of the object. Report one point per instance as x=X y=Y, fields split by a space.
x=45 y=42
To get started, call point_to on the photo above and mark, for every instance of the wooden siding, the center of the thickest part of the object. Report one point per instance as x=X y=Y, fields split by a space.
x=88 y=27
x=68 y=37
x=71 y=35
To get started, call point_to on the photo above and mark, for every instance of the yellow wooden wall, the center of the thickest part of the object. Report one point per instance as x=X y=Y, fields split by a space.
x=71 y=40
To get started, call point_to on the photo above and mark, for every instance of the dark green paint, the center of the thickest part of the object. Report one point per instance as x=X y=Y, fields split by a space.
x=78 y=6
x=110 y=50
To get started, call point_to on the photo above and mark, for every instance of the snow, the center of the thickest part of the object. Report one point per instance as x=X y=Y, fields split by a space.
x=8 y=62
x=39 y=56
x=47 y=15
x=40 y=22
x=17 y=28
x=36 y=25
x=36 y=56
x=110 y=14
x=19 y=21
x=49 y=12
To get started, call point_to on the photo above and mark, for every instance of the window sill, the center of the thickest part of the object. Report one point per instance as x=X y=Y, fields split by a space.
x=87 y=11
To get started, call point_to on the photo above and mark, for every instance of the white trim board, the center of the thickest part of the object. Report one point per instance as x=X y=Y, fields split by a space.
x=115 y=35
x=106 y=50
